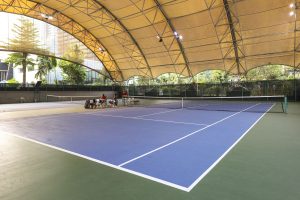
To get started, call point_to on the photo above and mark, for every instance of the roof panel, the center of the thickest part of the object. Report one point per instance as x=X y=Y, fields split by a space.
x=182 y=8
x=254 y=32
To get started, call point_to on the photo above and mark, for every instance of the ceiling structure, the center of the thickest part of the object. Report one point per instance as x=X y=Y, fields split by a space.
x=152 y=37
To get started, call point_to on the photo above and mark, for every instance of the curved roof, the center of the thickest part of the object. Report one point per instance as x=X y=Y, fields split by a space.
x=137 y=37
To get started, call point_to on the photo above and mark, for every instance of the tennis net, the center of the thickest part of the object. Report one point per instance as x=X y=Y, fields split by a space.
x=261 y=104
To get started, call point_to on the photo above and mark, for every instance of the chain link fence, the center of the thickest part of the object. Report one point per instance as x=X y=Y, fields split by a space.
x=289 y=88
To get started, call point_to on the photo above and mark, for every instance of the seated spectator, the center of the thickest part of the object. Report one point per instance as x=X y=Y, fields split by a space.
x=97 y=103
x=87 y=104
x=93 y=103
x=114 y=101
x=90 y=103
x=103 y=100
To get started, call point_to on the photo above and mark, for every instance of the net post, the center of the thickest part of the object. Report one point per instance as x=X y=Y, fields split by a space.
x=285 y=104
x=71 y=99
x=182 y=103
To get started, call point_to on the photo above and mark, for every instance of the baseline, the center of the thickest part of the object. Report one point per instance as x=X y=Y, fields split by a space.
x=102 y=162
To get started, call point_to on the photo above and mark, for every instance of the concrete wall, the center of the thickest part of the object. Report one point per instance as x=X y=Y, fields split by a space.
x=31 y=96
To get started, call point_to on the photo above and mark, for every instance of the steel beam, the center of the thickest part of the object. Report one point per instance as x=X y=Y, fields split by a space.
x=233 y=36
x=159 y=6
x=129 y=34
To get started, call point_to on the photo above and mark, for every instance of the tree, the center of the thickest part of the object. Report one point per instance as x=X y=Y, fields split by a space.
x=267 y=72
x=72 y=72
x=74 y=53
x=168 y=78
x=45 y=64
x=26 y=36
x=54 y=65
x=219 y=76
x=212 y=76
x=20 y=59
x=25 y=40
x=103 y=76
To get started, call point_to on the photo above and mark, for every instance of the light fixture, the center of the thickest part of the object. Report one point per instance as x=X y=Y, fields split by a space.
x=101 y=50
x=180 y=37
x=292 y=5
x=159 y=38
x=292 y=13
x=46 y=16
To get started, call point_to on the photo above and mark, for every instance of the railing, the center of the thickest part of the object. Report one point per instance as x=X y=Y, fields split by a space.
x=289 y=88
x=59 y=87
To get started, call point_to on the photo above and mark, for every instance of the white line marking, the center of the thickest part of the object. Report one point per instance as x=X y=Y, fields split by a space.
x=159 y=113
x=226 y=152
x=137 y=173
x=190 y=134
x=145 y=119
x=106 y=110
x=103 y=163
x=133 y=108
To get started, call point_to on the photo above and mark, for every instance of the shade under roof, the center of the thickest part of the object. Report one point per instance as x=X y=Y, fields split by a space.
x=139 y=38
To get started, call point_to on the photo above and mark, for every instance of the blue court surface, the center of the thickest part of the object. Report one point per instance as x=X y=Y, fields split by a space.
x=176 y=147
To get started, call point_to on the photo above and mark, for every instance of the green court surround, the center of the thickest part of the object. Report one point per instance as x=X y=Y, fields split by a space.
x=264 y=165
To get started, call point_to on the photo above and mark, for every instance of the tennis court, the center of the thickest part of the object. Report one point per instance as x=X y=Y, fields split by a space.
x=175 y=147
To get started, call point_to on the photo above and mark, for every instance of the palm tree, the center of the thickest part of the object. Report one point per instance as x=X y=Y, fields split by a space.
x=45 y=65
x=54 y=65
x=20 y=59
x=73 y=73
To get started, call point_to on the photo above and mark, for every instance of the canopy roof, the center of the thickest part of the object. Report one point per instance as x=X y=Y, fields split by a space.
x=143 y=37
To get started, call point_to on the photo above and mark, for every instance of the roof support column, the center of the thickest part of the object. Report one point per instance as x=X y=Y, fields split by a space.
x=296 y=46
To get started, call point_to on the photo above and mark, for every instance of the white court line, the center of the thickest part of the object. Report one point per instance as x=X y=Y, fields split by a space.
x=132 y=108
x=106 y=110
x=103 y=163
x=157 y=113
x=145 y=119
x=190 y=134
x=128 y=170
x=225 y=153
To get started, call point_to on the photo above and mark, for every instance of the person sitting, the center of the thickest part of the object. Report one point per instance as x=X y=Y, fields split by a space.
x=114 y=101
x=93 y=103
x=87 y=104
x=103 y=100
x=90 y=103
x=97 y=103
